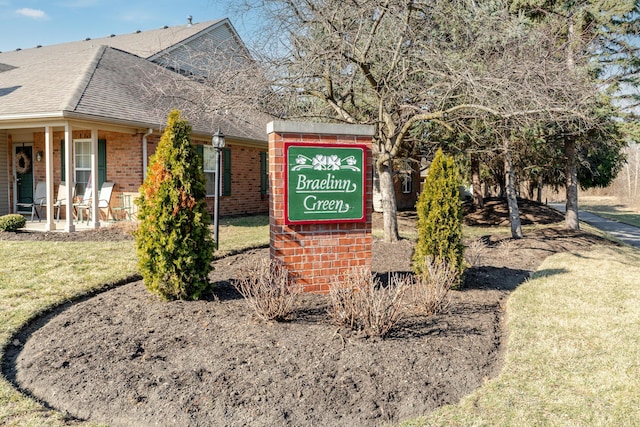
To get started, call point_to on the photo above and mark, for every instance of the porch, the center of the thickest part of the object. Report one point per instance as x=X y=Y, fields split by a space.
x=41 y=226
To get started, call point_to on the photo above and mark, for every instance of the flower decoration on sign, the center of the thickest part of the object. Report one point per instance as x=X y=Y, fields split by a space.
x=329 y=162
x=326 y=163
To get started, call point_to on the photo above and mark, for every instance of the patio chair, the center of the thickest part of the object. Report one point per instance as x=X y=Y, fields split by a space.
x=104 y=198
x=124 y=210
x=39 y=199
x=61 y=199
x=84 y=204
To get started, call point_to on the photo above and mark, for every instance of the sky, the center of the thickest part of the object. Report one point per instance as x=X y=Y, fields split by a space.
x=28 y=23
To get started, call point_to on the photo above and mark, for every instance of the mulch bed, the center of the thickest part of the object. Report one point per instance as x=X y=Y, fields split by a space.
x=123 y=357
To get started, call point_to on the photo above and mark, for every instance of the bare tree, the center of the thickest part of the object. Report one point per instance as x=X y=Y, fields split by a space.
x=398 y=64
x=521 y=73
x=595 y=32
x=394 y=64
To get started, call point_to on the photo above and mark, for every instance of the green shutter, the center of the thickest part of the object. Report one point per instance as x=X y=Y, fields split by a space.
x=102 y=161
x=200 y=152
x=62 y=163
x=226 y=177
x=263 y=173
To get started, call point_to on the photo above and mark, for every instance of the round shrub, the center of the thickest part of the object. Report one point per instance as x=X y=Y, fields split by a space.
x=12 y=222
x=173 y=242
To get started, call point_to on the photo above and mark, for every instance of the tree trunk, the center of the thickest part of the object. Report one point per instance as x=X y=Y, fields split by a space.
x=636 y=156
x=629 y=192
x=539 y=196
x=389 y=206
x=531 y=187
x=571 y=169
x=478 y=200
x=512 y=200
x=571 y=215
x=499 y=179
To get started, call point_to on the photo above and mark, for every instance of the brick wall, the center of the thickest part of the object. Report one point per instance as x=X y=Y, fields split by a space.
x=407 y=200
x=124 y=164
x=245 y=197
x=316 y=253
x=125 y=169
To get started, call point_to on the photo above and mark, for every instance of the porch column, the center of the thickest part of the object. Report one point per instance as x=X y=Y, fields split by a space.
x=48 y=159
x=69 y=173
x=95 y=214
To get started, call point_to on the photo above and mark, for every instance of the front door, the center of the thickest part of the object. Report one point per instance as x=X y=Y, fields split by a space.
x=23 y=165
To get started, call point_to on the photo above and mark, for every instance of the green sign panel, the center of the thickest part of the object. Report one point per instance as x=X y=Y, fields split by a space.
x=325 y=183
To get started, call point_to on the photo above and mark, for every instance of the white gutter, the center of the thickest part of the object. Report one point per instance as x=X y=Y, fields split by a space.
x=30 y=116
x=144 y=153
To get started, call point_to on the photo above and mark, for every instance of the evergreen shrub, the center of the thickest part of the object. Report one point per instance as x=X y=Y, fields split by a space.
x=12 y=222
x=439 y=210
x=173 y=242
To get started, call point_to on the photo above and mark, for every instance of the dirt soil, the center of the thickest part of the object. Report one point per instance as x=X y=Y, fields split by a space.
x=123 y=357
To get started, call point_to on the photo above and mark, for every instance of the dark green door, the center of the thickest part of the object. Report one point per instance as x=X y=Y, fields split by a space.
x=23 y=161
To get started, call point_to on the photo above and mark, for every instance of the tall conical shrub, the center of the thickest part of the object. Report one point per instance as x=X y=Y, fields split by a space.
x=173 y=242
x=439 y=210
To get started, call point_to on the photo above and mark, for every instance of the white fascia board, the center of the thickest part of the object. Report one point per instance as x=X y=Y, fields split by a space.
x=26 y=121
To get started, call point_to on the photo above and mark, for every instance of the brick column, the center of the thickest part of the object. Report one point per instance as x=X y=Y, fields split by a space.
x=315 y=253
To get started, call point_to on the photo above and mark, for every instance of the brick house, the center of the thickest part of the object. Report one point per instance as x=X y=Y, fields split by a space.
x=82 y=110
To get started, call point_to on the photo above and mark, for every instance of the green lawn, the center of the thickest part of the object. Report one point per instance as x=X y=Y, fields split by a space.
x=572 y=358
x=573 y=352
x=37 y=275
x=608 y=208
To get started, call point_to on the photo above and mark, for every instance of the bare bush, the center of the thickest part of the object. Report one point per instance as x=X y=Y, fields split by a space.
x=360 y=302
x=506 y=248
x=431 y=291
x=474 y=251
x=269 y=290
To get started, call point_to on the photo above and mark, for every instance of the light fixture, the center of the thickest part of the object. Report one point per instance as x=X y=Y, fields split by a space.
x=39 y=155
x=218 y=139
x=218 y=144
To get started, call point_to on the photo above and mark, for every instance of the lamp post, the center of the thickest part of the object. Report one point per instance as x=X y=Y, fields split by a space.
x=218 y=144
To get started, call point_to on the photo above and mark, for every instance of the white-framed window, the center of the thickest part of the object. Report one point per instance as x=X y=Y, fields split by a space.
x=407 y=183
x=82 y=162
x=209 y=169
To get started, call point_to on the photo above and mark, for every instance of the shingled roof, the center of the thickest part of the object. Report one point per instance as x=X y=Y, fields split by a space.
x=105 y=79
x=147 y=44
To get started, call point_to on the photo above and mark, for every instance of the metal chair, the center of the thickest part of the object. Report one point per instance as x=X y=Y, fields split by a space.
x=39 y=199
x=104 y=200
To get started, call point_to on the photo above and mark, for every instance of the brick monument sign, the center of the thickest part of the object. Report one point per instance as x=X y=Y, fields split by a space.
x=320 y=204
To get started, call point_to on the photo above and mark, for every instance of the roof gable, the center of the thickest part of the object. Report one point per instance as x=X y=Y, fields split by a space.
x=94 y=79
x=148 y=44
